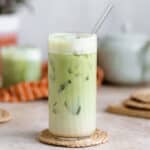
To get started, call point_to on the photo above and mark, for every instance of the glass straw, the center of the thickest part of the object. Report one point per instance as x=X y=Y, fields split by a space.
x=102 y=18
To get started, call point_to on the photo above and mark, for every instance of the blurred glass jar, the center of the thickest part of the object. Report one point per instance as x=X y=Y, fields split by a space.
x=20 y=64
x=125 y=58
x=9 y=27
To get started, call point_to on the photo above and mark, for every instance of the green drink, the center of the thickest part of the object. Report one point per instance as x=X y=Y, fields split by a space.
x=20 y=64
x=72 y=80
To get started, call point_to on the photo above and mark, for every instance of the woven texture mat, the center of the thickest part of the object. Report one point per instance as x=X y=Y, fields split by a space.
x=4 y=116
x=98 y=137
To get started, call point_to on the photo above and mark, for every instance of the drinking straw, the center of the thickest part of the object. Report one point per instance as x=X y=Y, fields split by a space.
x=102 y=18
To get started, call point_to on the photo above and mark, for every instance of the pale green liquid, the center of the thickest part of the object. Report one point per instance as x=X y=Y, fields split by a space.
x=19 y=70
x=72 y=94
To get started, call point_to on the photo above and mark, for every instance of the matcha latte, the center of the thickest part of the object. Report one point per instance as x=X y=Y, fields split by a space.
x=20 y=64
x=72 y=84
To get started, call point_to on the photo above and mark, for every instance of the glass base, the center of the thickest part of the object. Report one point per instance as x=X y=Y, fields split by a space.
x=72 y=138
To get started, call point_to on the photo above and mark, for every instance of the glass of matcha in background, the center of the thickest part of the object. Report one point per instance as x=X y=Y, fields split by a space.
x=72 y=84
x=20 y=64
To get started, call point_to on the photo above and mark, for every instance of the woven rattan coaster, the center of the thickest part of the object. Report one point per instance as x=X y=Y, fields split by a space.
x=122 y=110
x=98 y=137
x=141 y=95
x=4 y=116
x=137 y=105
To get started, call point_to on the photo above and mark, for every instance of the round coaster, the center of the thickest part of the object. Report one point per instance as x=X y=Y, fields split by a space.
x=137 y=105
x=142 y=95
x=98 y=137
x=4 y=116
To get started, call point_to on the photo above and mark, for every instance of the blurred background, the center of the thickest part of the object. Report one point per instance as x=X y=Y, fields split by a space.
x=124 y=43
x=76 y=15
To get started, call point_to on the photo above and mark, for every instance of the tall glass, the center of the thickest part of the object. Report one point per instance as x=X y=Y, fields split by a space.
x=72 y=84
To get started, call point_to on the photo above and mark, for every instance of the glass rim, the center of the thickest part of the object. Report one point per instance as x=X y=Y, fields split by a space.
x=76 y=35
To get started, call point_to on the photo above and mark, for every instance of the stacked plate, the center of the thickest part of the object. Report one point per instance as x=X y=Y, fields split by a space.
x=137 y=105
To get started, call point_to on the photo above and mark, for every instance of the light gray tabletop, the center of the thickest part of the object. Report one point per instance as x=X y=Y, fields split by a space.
x=125 y=133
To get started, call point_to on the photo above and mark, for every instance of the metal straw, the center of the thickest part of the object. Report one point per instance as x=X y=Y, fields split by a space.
x=102 y=18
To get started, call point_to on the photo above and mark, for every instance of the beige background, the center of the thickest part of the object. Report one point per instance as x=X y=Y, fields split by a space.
x=125 y=133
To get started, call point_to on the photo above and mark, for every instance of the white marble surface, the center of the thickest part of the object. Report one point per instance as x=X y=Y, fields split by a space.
x=125 y=133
